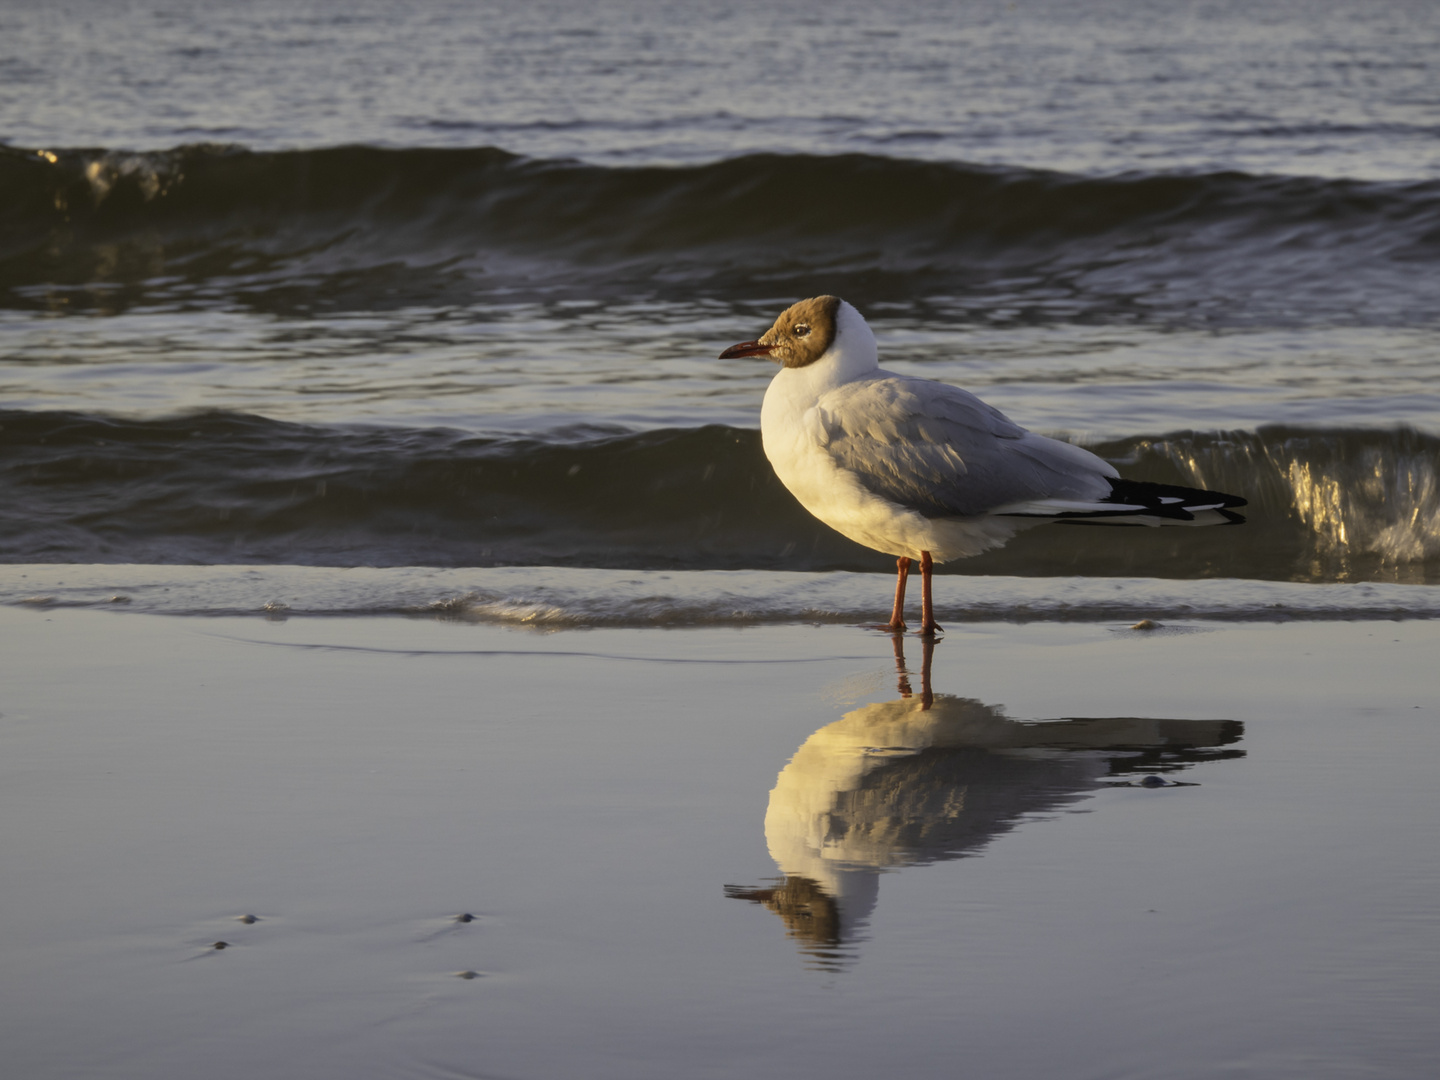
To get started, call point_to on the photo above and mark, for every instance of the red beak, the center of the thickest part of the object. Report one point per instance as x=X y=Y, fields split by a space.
x=746 y=348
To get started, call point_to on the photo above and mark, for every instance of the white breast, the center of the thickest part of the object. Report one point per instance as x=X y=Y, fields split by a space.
x=794 y=441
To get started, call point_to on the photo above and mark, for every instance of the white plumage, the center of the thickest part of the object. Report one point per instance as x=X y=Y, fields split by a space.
x=924 y=470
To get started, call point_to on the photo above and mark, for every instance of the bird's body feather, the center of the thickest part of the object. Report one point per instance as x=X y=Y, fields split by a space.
x=944 y=452
x=907 y=465
x=923 y=470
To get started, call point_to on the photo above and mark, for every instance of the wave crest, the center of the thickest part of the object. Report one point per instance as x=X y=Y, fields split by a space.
x=340 y=221
x=1325 y=505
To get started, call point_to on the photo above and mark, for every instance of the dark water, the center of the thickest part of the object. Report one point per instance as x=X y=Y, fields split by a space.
x=228 y=488
x=362 y=228
x=444 y=286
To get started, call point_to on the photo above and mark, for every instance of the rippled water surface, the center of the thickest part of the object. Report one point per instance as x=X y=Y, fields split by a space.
x=1323 y=88
x=461 y=272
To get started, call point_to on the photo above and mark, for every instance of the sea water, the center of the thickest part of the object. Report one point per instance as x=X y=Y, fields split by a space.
x=444 y=285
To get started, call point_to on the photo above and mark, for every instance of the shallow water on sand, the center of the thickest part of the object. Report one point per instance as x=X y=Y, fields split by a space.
x=716 y=852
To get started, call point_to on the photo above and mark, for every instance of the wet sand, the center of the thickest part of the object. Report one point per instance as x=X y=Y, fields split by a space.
x=1200 y=850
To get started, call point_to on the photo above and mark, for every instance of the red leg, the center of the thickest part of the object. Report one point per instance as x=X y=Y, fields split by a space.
x=928 y=625
x=897 y=615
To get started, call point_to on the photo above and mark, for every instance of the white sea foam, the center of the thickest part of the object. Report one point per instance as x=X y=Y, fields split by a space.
x=556 y=598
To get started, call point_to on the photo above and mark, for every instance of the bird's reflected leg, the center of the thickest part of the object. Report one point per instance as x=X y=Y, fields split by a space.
x=897 y=614
x=928 y=625
x=927 y=657
x=927 y=654
x=900 y=669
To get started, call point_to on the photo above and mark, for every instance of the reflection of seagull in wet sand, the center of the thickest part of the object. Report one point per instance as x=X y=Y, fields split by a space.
x=936 y=777
x=924 y=470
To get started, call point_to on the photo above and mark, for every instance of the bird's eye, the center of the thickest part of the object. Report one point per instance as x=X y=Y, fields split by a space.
x=801 y=330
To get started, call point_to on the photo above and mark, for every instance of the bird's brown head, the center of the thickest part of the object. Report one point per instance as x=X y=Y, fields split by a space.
x=800 y=336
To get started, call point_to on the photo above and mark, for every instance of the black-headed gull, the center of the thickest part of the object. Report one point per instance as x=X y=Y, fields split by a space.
x=923 y=470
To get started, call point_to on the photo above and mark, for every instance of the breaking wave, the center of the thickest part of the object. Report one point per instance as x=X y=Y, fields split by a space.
x=1325 y=505
x=360 y=226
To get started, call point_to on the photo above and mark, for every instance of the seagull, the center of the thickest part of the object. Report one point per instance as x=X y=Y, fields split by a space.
x=923 y=470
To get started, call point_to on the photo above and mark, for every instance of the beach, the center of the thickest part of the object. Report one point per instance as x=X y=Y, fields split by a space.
x=609 y=804
x=412 y=665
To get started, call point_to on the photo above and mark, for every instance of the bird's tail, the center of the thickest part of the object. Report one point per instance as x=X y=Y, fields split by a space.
x=1136 y=502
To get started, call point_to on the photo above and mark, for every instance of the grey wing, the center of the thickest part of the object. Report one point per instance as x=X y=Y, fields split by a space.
x=943 y=452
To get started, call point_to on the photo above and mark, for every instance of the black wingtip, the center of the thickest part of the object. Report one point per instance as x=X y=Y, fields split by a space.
x=1174 y=501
